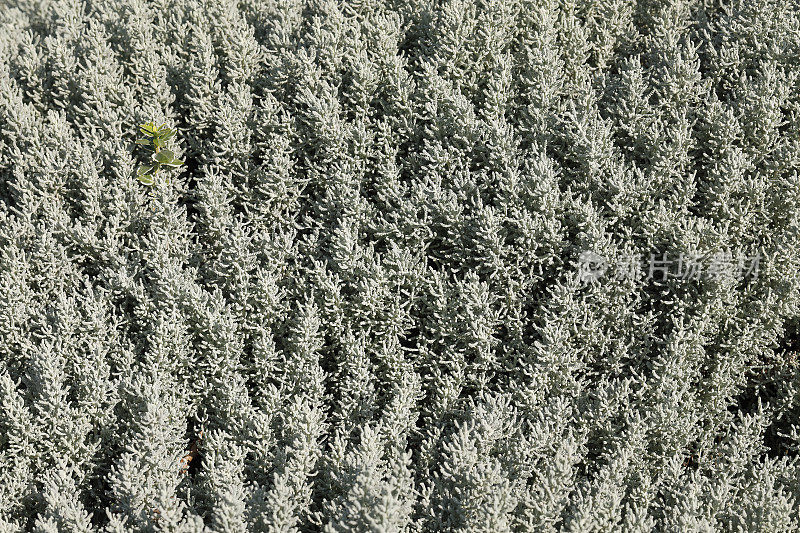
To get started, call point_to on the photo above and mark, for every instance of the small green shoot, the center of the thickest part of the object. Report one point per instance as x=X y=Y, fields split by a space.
x=155 y=138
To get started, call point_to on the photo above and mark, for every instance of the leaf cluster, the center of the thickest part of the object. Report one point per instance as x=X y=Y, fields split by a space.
x=155 y=138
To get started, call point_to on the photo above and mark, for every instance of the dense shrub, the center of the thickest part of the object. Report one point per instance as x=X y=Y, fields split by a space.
x=362 y=303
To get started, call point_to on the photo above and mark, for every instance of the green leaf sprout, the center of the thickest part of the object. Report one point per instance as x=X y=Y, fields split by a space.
x=156 y=137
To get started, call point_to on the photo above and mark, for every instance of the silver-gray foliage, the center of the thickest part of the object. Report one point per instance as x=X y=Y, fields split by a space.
x=355 y=306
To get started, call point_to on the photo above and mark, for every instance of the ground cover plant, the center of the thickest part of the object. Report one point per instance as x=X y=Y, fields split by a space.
x=419 y=265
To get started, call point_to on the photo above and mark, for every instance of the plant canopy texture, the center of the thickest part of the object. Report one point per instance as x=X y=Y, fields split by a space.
x=408 y=266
